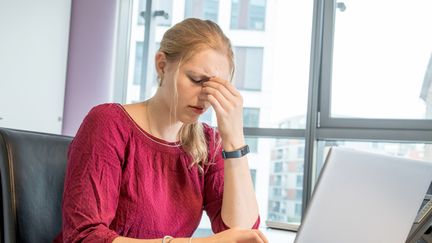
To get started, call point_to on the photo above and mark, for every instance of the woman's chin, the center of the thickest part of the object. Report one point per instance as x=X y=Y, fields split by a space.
x=189 y=120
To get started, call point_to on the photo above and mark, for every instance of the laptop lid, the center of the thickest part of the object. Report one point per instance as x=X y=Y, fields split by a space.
x=362 y=197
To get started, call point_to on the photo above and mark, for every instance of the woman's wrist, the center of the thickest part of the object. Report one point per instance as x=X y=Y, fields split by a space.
x=233 y=143
x=191 y=240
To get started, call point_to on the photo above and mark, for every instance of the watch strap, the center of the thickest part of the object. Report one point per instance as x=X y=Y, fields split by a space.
x=236 y=153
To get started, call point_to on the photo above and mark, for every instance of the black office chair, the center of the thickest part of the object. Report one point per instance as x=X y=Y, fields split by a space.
x=32 y=170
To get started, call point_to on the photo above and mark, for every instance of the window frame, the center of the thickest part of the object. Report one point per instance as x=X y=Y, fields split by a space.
x=319 y=124
x=326 y=121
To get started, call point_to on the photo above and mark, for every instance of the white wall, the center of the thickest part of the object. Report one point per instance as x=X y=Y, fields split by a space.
x=33 y=57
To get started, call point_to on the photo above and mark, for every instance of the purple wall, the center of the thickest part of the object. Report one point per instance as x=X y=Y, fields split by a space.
x=90 y=59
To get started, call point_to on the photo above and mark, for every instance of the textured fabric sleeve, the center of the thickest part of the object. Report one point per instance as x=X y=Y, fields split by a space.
x=92 y=180
x=214 y=182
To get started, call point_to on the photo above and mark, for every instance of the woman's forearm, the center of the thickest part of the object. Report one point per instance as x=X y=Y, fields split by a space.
x=121 y=239
x=174 y=240
x=239 y=205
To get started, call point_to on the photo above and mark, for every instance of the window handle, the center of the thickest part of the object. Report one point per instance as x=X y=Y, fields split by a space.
x=161 y=13
x=341 y=6
x=156 y=14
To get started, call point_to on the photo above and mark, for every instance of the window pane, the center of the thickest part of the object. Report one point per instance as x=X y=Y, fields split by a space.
x=249 y=64
x=204 y=9
x=272 y=65
x=141 y=8
x=286 y=181
x=248 y=14
x=138 y=62
x=251 y=119
x=382 y=63
x=165 y=5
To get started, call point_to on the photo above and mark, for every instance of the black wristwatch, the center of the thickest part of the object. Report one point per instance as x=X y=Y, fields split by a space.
x=236 y=153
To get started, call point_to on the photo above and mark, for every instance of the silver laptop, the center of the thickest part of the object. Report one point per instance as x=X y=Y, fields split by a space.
x=363 y=197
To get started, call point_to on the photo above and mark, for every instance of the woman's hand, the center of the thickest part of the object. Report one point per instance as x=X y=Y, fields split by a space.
x=236 y=235
x=228 y=104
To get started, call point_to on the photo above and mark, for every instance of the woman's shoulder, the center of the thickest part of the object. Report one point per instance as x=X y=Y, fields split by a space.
x=105 y=110
x=105 y=116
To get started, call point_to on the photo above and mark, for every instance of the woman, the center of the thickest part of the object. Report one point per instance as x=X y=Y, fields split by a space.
x=148 y=170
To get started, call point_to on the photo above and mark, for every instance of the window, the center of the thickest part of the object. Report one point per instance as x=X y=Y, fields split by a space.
x=278 y=180
x=379 y=51
x=297 y=212
x=204 y=9
x=251 y=119
x=165 y=5
x=299 y=181
x=310 y=82
x=248 y=73
x=141 y=9
x=248 y=14
x=278 y=167
x=253 y=176
x=138 y=63
x=273 y=84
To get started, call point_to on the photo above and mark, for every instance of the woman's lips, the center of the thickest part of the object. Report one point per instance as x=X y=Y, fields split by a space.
x=198 y=110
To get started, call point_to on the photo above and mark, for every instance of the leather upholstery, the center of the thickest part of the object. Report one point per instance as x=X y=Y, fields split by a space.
x=32 y=169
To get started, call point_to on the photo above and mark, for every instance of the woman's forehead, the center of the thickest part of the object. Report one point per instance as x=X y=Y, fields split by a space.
x=209 y=63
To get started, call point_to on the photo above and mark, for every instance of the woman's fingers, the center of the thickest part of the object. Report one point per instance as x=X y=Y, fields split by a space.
x=225 y=101
x=237 y=235
x=228 y=85
x=216 y=105
x=254 y=235
x=227 y=96
x=213 y=87
x=262 y=236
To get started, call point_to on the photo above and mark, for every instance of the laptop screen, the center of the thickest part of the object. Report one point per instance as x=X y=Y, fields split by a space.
x=364 y=197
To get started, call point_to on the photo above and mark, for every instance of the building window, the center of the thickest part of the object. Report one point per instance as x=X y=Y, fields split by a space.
x=300 y=152
x=277 y=192
x=248 y=73
x=203 y=9
x=277 y=167
x=278 y=180
x=299 y=181
x=248 y=14
x=299 y=195
x=251 y=119
x=279 y=154
x=274 y=206
x=298 y=210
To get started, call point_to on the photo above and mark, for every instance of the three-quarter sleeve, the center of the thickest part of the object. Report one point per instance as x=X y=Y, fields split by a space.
x=93 y=178
x=214 y=182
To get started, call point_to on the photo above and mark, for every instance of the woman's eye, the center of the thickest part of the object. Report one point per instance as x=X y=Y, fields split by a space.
x=198 y=81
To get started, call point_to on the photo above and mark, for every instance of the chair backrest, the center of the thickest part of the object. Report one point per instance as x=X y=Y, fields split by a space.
x=32 y=170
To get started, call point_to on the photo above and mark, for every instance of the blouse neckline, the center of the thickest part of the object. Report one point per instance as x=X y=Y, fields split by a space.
x=147 y=134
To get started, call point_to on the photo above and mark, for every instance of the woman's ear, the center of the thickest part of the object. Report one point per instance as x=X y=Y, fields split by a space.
x=161 y=63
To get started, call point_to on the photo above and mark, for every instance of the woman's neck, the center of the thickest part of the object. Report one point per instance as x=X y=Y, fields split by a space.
x=161 y=123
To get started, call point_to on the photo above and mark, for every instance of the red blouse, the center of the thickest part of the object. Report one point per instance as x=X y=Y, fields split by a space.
x=122 y=181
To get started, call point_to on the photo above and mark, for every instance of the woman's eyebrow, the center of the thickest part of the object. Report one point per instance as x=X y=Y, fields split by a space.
x=204 y=77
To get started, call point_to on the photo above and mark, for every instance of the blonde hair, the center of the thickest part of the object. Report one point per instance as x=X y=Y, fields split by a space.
x=179 y=44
